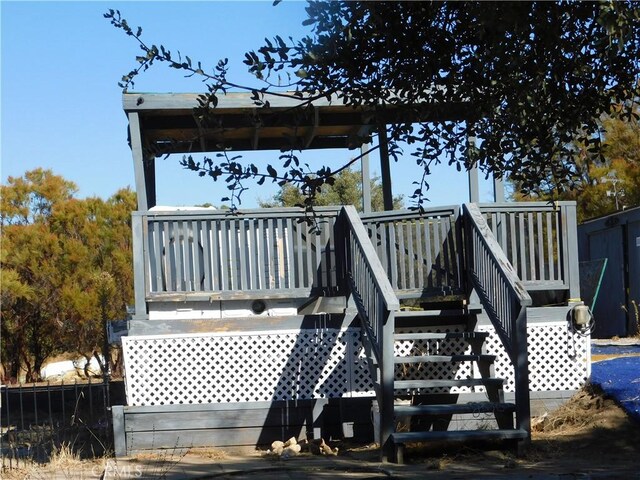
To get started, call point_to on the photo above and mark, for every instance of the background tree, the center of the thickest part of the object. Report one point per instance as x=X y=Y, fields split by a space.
x=56 y=253
x=535 y=75
x=345 y=190
x=600 y=184
x=31 y=324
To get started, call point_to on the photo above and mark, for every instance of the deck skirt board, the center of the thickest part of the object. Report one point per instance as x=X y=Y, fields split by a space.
x=253 y=424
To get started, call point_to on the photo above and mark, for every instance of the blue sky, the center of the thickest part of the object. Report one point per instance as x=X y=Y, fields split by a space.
x=61 y=107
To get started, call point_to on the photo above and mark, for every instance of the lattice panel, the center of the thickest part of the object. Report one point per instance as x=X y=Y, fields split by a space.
x=558 y=359
x=428 y=371
x=326 y=363
x=211 y=368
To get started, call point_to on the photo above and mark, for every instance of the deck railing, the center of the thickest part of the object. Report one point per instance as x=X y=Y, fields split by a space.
x=540 y=241
x=504 y=299
x=200 y=253
x=419 y=252
x=376 y=303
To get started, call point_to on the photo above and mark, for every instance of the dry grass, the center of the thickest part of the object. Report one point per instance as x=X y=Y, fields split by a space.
x=210 y=453
x=63 y=463
x=64 y=457
x=586 y=410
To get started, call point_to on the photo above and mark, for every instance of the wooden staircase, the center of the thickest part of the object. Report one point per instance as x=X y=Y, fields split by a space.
x=443 y=340
x=376 y=292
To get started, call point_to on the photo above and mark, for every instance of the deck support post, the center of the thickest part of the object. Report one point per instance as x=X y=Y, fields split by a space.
x=474 y=180
x=498 y=189
x=366 y=179
x=385 y=169
x=143 y=165
x=474 y=189
x=138 y=226
x=570 y=263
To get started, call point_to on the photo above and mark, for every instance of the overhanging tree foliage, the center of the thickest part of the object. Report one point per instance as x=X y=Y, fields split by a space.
x=532 y=76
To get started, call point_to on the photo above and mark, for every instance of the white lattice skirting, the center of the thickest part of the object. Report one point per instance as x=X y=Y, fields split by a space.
x=244 y=367
x=323 y=363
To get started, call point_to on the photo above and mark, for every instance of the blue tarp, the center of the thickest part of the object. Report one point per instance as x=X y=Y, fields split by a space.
x=620 y=379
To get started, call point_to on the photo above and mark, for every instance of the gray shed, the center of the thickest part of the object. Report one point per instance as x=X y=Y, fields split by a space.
x=615 y=237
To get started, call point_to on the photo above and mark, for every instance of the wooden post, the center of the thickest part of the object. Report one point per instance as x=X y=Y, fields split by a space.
x=138 y=161
x=385 y=169
x=150 y=179
x=569 y=223
x=387 y=389
x=521 y=377
x=139 y=261
x=474 y=182
x=498 y=189
x=366 y=179
x=119 y=434
x=340 y=248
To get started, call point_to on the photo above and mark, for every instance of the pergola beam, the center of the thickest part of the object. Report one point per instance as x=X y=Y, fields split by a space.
x=167 y=124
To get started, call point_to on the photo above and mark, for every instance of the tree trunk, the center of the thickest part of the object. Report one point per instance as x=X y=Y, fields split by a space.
x=102 y=363
x=27 y=364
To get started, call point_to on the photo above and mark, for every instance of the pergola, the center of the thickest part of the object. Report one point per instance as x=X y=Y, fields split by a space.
x=161 y=124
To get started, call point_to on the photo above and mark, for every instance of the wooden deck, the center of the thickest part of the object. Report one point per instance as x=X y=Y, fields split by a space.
x=504 y=257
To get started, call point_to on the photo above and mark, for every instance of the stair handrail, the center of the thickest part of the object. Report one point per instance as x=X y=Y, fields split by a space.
x=489 y=267
x=368 y=281
x=504 y=298
x=377 y=304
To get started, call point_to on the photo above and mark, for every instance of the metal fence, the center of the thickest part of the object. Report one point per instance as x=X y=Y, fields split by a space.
x=36 y=420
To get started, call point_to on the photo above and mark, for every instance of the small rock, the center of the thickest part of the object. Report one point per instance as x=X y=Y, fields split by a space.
x=326 y=449
x=276 y=448
x=290 y=451
x=291 y=441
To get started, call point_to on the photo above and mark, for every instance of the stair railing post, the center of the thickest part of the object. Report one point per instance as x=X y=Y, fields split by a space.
x=521 y=377
x=386 y=387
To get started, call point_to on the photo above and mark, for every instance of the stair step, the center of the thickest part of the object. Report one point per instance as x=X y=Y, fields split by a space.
x=453 y=409
x=449 y=312
x=475 y=308
x=463 y=382
x=440 y=336
x=458 y=435
x=445 y=358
